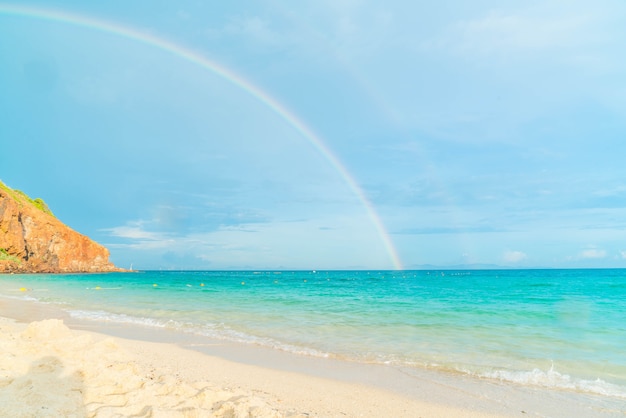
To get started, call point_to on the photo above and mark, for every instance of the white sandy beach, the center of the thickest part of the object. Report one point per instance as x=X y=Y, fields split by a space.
x=48 y=370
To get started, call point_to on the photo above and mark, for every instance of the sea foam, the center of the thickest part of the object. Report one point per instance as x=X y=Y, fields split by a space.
x=554 y=380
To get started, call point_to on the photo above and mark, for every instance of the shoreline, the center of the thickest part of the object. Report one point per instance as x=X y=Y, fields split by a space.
x=294 y=384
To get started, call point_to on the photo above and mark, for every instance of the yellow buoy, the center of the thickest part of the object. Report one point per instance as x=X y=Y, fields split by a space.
x=23 y=289
x=242 y=283
x=155 y=285
x=98 y=288
x=201 y=284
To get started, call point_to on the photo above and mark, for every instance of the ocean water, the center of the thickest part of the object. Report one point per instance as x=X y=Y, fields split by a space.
x=558 y=329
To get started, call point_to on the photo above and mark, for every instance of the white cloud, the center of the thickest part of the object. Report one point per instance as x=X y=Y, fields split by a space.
x=514 y=256
x=140 y=239
x=324 y=32
x=592 y=253
x=575 y=33
x=330 y=244
x=622 y=254
x=133 y=232
x=611 y=192
x=499 y=32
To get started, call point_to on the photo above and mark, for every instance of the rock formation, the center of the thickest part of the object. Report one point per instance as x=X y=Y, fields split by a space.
x=33 y=240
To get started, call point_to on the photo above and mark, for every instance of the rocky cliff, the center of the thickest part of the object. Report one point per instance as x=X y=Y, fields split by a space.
x=33 y=240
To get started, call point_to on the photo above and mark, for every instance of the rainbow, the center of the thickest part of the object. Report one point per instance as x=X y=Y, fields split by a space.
x=227 y=74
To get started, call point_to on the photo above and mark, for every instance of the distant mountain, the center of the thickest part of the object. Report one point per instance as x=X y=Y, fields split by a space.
x=33 y=240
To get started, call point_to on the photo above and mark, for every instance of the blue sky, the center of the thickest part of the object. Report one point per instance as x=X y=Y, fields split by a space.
x=480 y=132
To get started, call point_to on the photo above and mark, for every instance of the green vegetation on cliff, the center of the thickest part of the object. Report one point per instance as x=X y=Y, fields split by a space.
x=22 y=197
x=4 y=255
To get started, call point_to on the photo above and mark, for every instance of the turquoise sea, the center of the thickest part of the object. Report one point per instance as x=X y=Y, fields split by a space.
x=559 y=329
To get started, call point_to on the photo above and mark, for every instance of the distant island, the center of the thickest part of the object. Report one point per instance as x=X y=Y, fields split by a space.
x=33 y=240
